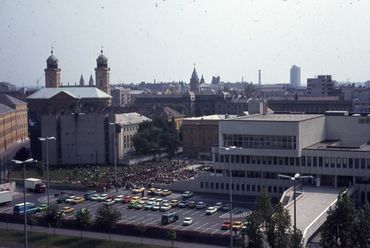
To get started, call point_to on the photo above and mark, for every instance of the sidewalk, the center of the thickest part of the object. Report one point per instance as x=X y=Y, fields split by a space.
x=104 y=236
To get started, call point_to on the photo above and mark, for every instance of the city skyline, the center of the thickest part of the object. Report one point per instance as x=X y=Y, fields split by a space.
x=163 y=39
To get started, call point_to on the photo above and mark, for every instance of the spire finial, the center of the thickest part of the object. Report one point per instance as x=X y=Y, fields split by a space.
x=52 y=49
x=194 y=65
x=101 y=50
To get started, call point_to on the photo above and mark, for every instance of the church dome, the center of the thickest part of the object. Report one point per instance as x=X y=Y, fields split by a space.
x=102 y=61
x=52 y=61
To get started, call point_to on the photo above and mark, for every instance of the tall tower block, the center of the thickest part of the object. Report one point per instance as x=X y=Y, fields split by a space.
x=259 y=77
x=52 y=72
x=102 y=72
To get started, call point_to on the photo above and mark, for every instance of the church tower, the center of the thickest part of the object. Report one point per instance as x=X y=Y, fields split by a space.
x=52 y=72
x=194 y=82
x=102 y=72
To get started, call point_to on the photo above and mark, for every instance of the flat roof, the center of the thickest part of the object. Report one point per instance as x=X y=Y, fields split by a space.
x=330 y=145
x=209 y=117
x=278 y=117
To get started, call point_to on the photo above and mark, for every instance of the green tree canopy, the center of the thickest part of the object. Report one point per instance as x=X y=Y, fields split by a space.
x=107 y=217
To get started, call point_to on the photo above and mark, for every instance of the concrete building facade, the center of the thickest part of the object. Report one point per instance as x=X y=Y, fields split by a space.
x=323 y=85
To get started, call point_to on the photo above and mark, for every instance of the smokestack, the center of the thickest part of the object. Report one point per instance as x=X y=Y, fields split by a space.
x=259 y=77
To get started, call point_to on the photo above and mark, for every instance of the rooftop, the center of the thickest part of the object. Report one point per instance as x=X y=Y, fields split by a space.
x=75 y=92
x=278 y=117
x=10 y=101
x=130 y=118
x=5 y=109
x=336 y=145
x=209 y=117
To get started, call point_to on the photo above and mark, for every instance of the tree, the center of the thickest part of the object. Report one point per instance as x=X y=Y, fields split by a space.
x=106 y=218
x=253 y=231
x=172 y=236
x=296 y=239
x=264 y=207
x=278 y=228
x=83 y=219
x=53 y=216
x=361 y=227
x=339 y=227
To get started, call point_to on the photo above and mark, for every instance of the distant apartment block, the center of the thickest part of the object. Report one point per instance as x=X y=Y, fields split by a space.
x=295 y=76
x=323 y=85
x=120 y=97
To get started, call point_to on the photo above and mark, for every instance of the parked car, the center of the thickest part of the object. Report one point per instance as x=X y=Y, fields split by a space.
x=237 y=225
x=165 y=207
x=183 y=204
x=151 y=191
x=211 y=210
x=226 y=225
x=156 y=206
x=219 y=206
x=187 y=221
x=174 y=203
x=103 y=197
x=148 y=205
x=77 y=200
x=192 y=204
x=109 y=202
x=132 y=204
x=95 y=197
x=118 y=198
x=187 y=194
x=140 y=204
x=138 y=190
x=126 y=199
x=226 y=207
x=166 y=192
x=69 y=199
x=67 y=210
x=200 y=205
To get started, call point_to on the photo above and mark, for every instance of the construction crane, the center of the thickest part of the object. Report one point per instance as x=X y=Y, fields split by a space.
x=38 y=80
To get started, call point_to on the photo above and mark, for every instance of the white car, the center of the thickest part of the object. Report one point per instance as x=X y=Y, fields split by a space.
x=103 y=197
x=165 y=207
x=211 y=210
x=95 y=197
x=69 y=199
x=148 y=205
x=156 y=206
x=219 y=206
x=109 y=202
x=118 y=198
x=187 y=221
x=187 y=194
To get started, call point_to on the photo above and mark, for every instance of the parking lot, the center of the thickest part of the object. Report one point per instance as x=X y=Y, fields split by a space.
x=201 y=221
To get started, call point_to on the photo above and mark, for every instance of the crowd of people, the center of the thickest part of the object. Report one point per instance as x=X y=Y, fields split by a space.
x=140 y=175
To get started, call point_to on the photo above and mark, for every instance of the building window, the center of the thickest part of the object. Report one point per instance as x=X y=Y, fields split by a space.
x=363 y=163
x=357 y=163
x=253 y=187
x=201 y=185
x=350 y=163
x=216 y=184
x=207 y=185
x=227 y=186
x=212 y=185
x=222 y=186
x=243 y=187
x=320 y=161
x=248 y=187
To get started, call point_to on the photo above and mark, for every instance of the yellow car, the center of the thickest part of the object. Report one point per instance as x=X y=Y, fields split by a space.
x=151 y=191
x=166 y=192
x=237 y=225
x=138 y=190
x=67 y=210
x=135 y=199
x=78 y=200
x=174 y=203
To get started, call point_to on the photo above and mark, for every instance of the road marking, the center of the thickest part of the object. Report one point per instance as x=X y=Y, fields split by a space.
x=132 y=217
x=211 y=227
x=146 y=220
x=196 y=213
x=191 y=225
x=201 y=226
x=132 y=221
x=189 y=211
x=152 y=222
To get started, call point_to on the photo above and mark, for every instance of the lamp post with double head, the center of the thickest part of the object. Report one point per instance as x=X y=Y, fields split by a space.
x=23 y=163
x=296 y=177
x=46 y=140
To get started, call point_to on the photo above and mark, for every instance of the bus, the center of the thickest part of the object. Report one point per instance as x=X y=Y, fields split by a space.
x=30 y=208
x=169 y=218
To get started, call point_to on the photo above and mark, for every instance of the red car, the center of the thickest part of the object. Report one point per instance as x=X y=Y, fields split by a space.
x=226 y=225
x=126 y=199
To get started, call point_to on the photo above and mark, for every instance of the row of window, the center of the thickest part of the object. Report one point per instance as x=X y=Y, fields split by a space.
x=309 y=161
x=240 y=187
x=260 y=141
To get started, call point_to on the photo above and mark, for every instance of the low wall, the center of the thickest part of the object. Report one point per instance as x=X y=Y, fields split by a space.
x=8 y=186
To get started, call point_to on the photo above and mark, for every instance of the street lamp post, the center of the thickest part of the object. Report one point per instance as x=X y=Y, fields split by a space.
x=23 y=163
x=231 y=194
x=46 y=139
x=294 y=179
x=115 y=152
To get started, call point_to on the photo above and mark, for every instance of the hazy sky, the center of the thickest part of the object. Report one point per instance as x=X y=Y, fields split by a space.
x=146 y=39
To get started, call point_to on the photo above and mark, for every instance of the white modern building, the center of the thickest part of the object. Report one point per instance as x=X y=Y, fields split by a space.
x=333 y=147
x=295 y=76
